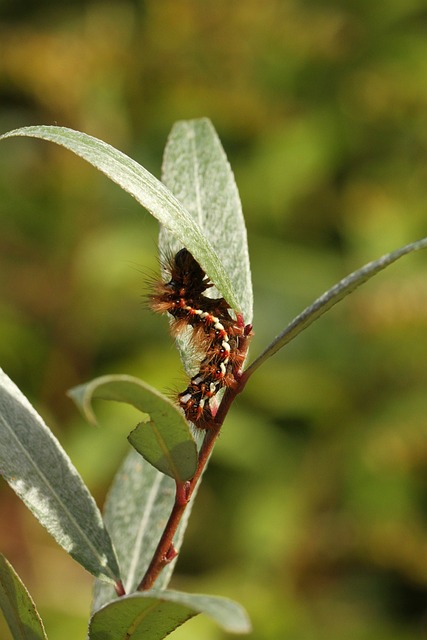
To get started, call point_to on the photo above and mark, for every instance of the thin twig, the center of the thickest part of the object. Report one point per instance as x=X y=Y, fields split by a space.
x=165 y=551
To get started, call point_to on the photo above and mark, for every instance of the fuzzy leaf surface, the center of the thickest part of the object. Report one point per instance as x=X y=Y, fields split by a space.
x=136 y=510
x=197 y=172
x=17 y=605
x=163 y=438
x=155 y=614
x=37 y=468
x=146 y=189
x=330 y=298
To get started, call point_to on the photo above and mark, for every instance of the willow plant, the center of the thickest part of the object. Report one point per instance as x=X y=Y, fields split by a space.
x=129 y=549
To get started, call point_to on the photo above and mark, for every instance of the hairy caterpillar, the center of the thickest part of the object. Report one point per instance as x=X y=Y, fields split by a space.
x=216 y=334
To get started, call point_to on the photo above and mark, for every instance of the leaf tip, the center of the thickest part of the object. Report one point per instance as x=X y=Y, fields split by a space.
x=80 y=398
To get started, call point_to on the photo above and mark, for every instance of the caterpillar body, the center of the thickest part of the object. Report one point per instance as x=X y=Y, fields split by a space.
x=217 y=335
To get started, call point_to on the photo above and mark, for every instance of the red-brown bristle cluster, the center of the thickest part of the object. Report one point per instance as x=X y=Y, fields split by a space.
x=215 y=333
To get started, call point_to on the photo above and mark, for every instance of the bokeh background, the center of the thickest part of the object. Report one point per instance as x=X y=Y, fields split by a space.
x=313 y=513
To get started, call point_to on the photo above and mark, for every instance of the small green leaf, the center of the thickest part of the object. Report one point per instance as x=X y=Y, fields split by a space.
x=17 y=605
x=154 y=614
x=330 y=298
x=163 y=438
x=146 y=189
x=37 y=468
x=161 y=447
x=196 y=170
x=136 y=510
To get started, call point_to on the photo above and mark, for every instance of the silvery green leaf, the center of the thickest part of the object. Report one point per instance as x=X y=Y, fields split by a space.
x=17 y=605
x=146 y=189
x=330 y=298
x=136 y=511
x=37 y=468
x=197 y=172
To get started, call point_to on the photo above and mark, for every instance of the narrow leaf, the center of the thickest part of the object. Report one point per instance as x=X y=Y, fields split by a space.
x=37 y=468
x=17 y=605
x=136 y=510
x=330 y=298
x=163 y=438
x=146 y=189
x=196 y=170
x=155 y=614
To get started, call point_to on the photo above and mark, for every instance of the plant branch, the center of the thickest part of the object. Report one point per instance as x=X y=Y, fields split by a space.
x=165 y=551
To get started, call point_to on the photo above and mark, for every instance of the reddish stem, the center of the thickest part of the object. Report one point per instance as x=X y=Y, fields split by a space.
x=120 y=590
x=165 y=551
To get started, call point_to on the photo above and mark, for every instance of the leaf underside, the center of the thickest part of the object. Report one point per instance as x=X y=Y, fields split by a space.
x=136 y=510
x=196 y=170
x=154 y=614
x=37 y=468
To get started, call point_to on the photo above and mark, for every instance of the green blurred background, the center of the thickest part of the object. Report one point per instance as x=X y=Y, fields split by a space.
x=314 y=511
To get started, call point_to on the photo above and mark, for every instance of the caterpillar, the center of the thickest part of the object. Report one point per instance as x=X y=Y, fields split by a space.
x=216 y=334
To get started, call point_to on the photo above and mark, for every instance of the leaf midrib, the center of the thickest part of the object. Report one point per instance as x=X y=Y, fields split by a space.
x=130 y=578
